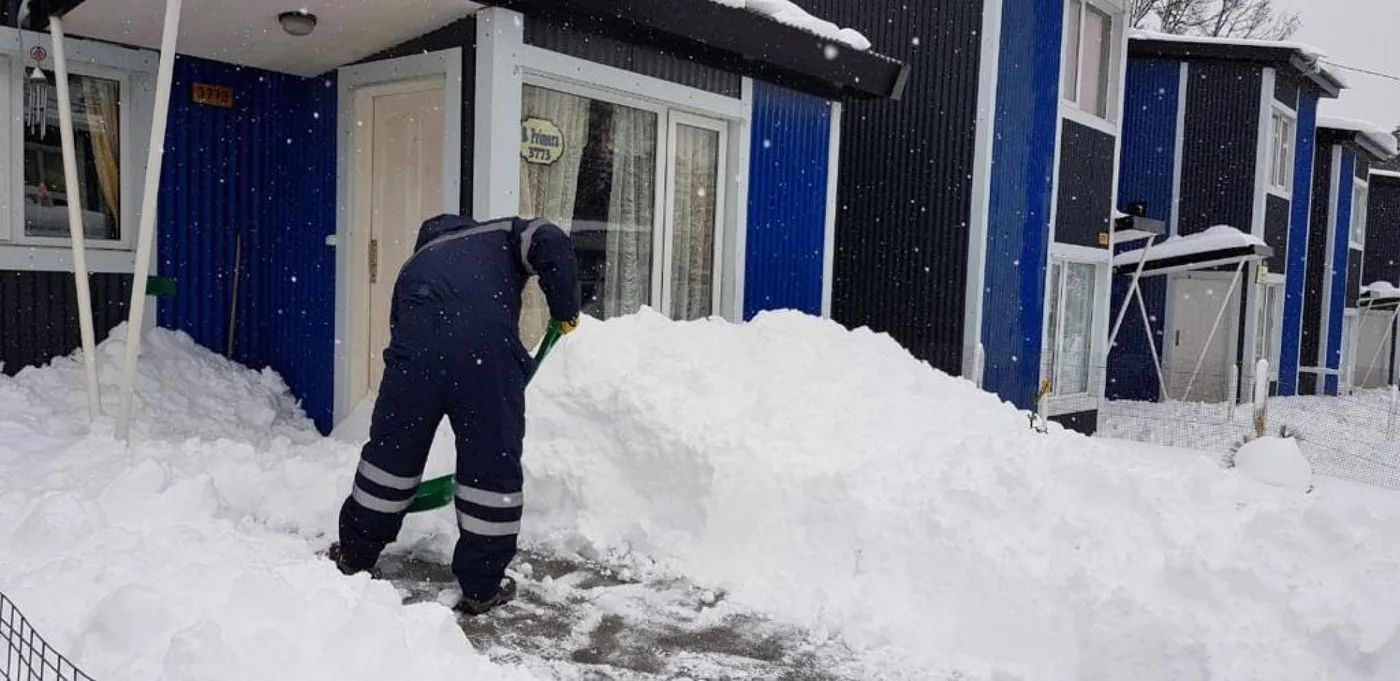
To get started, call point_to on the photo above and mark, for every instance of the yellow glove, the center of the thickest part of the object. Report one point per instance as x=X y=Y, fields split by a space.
x=566 y=327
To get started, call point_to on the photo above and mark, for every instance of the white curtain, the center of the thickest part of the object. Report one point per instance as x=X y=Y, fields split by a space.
x=631 y=212
x=547 y=191
x=693 y=242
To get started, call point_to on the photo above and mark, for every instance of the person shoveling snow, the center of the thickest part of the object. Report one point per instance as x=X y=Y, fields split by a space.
x=455 y=352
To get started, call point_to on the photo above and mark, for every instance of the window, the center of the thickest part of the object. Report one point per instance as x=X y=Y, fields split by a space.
x=1070 y=326
x=96 y=104
x=1358 y=215
x=1088 y=57
x=1269 y=331
x=639 y=189
x=1281 y=152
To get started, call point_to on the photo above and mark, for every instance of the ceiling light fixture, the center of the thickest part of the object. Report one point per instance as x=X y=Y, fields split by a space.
x=298 y=23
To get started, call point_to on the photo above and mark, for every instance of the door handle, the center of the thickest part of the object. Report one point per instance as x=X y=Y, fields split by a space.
x=374 y=261
x=1177 y=341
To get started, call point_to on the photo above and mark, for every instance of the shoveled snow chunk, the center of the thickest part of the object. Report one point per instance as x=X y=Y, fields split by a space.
x=1276 y=461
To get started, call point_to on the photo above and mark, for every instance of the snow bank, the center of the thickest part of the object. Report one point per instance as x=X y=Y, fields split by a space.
x=826 y=477
x=1216 y=238
x=1276 y=461
x=1378 y=136
x=1380 y=290
x=191 y=555
x=787 y=12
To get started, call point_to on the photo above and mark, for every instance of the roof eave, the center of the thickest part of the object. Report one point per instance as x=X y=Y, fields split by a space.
x=745 y=41
x=1295 y=60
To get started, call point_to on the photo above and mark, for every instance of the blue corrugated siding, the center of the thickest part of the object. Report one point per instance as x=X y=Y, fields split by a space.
x=1018 y=228
x=1341 y=249
x=1291 y=340
x=787 y=201
x=263 y=171
x=1153 y=90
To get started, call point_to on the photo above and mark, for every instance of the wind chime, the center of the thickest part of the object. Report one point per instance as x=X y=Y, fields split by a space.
x=36 y=96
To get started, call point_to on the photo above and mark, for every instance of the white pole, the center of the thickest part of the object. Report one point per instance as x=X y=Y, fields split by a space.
x=1234 y=281
x=1152 y=345
x=1394 y=406
x=1123 y=309
x=154 y=154
x=75 y=220
x=979 y=365
x=1261 y=396
x=1234 y=393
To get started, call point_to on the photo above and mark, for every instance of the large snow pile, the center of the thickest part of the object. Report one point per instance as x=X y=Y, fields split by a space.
x=818 y=474
x=178 y=558
x=825 y=476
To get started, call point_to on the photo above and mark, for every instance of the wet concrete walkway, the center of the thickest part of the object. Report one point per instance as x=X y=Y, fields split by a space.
x=574 y=620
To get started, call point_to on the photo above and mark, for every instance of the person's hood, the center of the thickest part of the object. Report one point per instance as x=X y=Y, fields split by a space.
x=440 y=225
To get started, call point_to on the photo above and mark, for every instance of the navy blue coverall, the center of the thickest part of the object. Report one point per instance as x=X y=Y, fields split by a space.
x=455 y=351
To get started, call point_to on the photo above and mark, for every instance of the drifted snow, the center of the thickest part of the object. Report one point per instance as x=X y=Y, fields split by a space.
x=787 y=12
x=820 y=475
x=1216 y=238
x=1276 y=461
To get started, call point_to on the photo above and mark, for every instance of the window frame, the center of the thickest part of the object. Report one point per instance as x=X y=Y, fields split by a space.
x=1071 y=99
x=126 y=220
x=1360 y=196
x=669 y=114
x=1281 y=113
x=1062 y=256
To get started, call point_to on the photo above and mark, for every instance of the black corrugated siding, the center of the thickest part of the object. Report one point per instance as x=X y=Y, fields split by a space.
x=461 y=33
x=1286 y=90
x=588 y=39
x=1276 y=213
x=1354 y=277
x=906 y=177
x=39 y=314
x=1316 y=265
x=1220 y=146
x=1363 y=165
x=1085 y=196
x=1383 y=231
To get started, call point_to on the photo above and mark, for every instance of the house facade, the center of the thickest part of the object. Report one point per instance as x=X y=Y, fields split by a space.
x=691 y=149
x=1377 y=347
x=1219 y=133
x=977 y=224
x=1336 y=253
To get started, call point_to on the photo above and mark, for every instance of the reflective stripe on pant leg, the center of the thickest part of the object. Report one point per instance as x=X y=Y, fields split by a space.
x=487 y=528
x=489 y=514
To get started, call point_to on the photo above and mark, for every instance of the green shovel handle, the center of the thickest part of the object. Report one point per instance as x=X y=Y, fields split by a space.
x=438 y=492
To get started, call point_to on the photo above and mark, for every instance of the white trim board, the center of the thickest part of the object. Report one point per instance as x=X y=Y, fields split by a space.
x=1179 y=153
x=833 y=151
x=351 y=80
x=979 y=217
x=740 y=145
x=1333 y=204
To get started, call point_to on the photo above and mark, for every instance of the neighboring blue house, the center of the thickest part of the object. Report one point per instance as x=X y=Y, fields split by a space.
x=1336 y=251
x=1219 y=132
x=975 y=225
x=690 y=147
x=1378 y=344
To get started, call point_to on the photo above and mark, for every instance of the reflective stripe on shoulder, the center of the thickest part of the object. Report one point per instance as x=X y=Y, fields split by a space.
x=497 y=226
x=526 y=241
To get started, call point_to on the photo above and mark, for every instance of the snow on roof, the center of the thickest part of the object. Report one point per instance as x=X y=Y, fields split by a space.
x=1381 y=290
x=1217 y=238
x=1377 y=135
x=1308 y=52
x=786 y=12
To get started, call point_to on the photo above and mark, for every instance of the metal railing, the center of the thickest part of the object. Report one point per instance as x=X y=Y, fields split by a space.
x=27 y=656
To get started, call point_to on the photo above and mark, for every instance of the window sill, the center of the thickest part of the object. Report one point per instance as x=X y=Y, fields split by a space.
x=60 y=259
x=1281 y=193
x=1071 y=111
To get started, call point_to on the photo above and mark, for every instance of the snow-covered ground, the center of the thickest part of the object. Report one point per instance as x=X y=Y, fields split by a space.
x=876 y=516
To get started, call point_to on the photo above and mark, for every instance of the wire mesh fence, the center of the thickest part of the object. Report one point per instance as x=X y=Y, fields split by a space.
x=1350 y=433
x=28 y=657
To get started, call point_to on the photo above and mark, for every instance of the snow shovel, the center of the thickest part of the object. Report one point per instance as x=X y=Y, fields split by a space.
x=438 y=492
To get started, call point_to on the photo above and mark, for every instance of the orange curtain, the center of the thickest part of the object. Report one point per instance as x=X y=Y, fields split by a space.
x=104 y=126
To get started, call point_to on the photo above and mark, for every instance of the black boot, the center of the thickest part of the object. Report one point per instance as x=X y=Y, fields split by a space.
x=504 y=594
x=345 y=568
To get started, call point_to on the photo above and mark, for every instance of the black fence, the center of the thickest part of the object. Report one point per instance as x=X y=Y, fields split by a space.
x=27 y=656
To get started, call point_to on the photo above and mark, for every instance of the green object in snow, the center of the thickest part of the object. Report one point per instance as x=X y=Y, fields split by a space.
x=438 y=492
x=160 y=286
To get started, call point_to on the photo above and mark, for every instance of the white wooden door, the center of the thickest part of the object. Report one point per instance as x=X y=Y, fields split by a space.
x=1195 y=304
x=1373 y=338
x=405 y=145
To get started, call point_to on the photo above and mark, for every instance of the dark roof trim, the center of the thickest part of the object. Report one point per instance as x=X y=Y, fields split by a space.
x=1351 y=138
x=1192 y=262
x=738 y=40
x=1282 y=56
x=39 y=12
